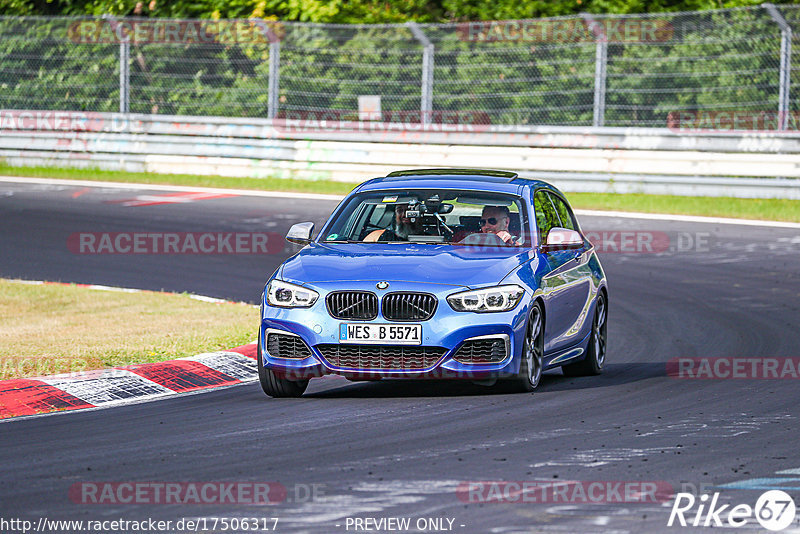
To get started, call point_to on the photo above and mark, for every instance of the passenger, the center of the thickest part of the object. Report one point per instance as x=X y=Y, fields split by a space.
x=495 y=220
x=400 y=229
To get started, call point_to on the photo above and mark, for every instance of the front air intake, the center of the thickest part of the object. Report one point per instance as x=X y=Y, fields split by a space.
x=381 y=357
x=485 y=350
x=287 y=346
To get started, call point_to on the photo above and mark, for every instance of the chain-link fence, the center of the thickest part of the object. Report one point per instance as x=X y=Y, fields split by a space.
x=724 y=69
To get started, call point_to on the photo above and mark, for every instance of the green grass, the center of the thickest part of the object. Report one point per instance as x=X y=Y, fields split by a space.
x=53 y=328
x=773 y=209
x=190 y=180
x=739 y=208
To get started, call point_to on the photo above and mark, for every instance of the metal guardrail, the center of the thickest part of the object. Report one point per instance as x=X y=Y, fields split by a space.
x=621 y=160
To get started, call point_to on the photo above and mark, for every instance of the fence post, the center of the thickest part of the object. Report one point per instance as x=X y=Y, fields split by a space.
x=426 y=98
x=124 y=64
x=600 y=62
x=786 y=65
x=124 y=76
x=273 y=83
x=274 y=79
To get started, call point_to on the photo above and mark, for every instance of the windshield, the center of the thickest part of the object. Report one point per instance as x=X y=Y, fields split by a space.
x=434 y=216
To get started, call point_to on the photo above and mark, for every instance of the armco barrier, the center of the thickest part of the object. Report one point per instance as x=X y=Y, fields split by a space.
x=649 y=160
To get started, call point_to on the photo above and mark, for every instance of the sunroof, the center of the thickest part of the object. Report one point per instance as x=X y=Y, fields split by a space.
x=478 y=175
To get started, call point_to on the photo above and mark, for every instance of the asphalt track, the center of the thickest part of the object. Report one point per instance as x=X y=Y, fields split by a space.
x=401 y=449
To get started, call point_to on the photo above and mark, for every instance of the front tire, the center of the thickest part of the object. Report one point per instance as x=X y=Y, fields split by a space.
x=595 y=358
x=531 y=366
x=275 y=386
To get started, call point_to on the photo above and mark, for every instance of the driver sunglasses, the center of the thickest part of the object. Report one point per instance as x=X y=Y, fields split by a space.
x=490 y=220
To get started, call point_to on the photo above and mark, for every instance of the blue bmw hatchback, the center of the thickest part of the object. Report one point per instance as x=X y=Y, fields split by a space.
x=441 y=273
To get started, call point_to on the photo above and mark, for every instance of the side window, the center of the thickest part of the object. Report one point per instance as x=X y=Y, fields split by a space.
x=381 y=217
x=378 y=217
x=567 y=220
x=356 y=221
x=546 y=216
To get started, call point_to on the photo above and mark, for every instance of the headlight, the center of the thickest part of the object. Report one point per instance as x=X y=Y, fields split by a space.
x=288 y=295
x=490 y=299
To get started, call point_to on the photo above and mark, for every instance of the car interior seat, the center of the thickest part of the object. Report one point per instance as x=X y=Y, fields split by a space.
x=514 y=224
x=470 y=223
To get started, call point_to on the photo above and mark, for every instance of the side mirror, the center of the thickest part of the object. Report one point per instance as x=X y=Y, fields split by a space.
x=445 y=208
x=300 y=233
x=561 y=238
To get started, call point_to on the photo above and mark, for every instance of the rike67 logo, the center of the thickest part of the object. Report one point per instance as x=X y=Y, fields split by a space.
x=774 y=510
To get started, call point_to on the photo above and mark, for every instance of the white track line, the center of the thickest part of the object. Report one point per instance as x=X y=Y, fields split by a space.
x=158 y=187
x=686 y=218
x=315 y=196
x=203 y=298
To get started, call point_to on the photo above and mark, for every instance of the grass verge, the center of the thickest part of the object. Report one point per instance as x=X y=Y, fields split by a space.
x=770 y=209
x=738 y=208
x=50 y=329
x=189 y=180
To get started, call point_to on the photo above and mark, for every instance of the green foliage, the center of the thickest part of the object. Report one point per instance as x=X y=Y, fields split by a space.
x=359 y=11
x=39 y=63
x=714 y=60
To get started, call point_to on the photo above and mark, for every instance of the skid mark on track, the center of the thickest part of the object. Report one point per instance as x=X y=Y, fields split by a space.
x=427 y=453
x=80 y=192
x=713 y=427
x=598 y=457
x=169 y=198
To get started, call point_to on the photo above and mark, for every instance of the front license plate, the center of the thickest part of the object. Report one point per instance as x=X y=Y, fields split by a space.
x=390 y=334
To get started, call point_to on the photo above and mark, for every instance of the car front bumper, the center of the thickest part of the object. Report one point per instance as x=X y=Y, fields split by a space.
x=445 y=333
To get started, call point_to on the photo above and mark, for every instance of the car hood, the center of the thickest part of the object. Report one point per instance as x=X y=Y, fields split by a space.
x=434 y=264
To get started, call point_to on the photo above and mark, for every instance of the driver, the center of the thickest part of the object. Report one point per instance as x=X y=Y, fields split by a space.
x=400 y=229
x=495 y=219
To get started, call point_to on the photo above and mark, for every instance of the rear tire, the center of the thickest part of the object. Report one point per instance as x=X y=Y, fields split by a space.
x=530 y=368
x=595 y=358
x=275 y=386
